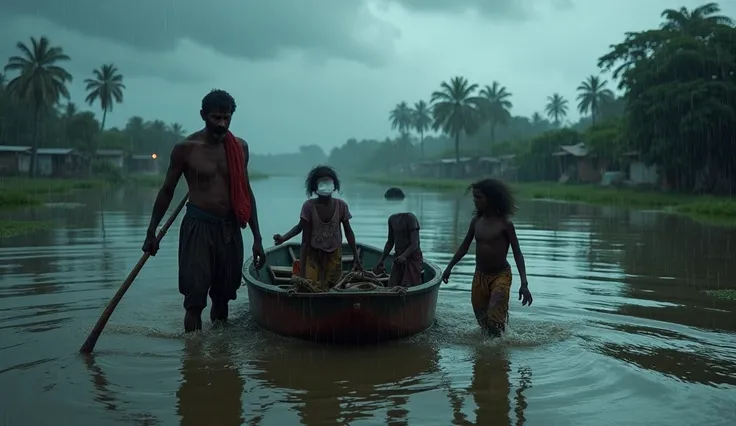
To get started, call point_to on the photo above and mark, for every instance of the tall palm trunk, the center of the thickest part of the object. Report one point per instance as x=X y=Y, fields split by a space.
x=34 y=141
x=104 y=116
x=421 y=142
x=457 y=154
x=493 y=135
x=593 y=110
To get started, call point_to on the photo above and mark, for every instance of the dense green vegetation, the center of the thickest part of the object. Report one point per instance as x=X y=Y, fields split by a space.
x=704 y=207
x=677 y=110
x=36 y=109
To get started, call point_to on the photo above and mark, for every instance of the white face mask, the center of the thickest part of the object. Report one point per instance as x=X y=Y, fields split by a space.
x=325 y=188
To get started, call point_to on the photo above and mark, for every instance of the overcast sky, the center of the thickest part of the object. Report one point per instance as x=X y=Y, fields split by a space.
x=322 y=71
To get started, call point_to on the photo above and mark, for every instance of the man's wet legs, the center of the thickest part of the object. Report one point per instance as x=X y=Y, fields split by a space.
x=192 y=320
x=219 y=311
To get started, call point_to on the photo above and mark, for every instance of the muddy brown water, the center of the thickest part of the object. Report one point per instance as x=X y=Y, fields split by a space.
x=619 y=333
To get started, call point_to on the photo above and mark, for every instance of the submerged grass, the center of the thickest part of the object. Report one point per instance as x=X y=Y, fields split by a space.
x=157 y=180
x=19 y=192
x=12 y=228
x=723 y=294
x=699 y=207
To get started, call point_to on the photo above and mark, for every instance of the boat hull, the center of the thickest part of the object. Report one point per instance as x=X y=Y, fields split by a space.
x=344 y=317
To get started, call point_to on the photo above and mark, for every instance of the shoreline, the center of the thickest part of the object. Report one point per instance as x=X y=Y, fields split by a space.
x=721 y=210
x=19 y=192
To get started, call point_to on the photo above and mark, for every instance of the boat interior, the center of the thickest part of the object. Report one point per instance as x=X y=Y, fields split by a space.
x=280 y=263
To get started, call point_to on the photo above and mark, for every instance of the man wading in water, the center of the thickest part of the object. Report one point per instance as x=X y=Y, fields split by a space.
x=494 y=233
x=214 y=164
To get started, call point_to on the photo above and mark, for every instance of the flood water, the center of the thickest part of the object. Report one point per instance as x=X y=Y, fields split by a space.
x=620 y=332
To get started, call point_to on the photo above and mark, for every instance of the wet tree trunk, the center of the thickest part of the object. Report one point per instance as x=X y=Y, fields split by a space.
x=457 y=154
x=34 y=142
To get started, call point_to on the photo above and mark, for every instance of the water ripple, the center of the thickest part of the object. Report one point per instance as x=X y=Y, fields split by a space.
x=619 y=325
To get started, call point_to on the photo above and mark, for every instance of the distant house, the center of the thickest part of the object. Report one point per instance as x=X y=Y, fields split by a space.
x=577 y=164
x=59 y=162
x=115 y=157
x=468 y=167
x=143 y=164
x=639 y=173
x=500 y=167
x=13 y=161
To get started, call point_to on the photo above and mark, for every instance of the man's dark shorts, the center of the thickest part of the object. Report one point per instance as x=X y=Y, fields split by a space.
x=210 y=258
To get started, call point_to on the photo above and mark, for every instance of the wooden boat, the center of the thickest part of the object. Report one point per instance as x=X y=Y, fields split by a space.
x=349 y=316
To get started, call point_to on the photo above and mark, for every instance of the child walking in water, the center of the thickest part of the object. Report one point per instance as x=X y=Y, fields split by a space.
x=403 y=232
x=320 y=221
x=494 y=233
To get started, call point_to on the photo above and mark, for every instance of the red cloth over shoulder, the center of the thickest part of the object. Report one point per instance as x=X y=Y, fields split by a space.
x=239 y=195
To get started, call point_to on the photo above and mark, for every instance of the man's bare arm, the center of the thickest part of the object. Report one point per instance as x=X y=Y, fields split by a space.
x=516 y=249
x=253 y=221
x=177 y=163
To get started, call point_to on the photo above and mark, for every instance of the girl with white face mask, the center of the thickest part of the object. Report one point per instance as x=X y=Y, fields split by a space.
x=322 y=221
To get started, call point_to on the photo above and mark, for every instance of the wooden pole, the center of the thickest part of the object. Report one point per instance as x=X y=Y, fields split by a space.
x=89 y=344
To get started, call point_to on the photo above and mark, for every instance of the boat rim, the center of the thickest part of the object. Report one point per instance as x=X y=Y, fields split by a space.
x=270 y=288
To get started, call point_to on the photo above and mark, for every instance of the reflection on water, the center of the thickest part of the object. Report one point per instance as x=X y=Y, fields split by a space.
x=620 y=325
x=211 y=386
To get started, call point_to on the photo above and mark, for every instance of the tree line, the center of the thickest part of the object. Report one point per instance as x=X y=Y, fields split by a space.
x=36 y=109
x=676 y=111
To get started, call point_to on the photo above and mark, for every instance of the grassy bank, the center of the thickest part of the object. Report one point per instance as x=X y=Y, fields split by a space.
x=18 y=192
x=697 y=206
x=157 y=180
x=725 y=294
x=12 y=228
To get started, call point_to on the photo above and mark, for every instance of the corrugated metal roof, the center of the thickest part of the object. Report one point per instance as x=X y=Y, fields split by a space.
x=55 y=151
x=142 y=157
x=578 y=150
x=14 y=148
x=453 y=160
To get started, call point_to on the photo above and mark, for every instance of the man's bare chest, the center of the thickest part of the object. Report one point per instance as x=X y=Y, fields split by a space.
x=208 y=162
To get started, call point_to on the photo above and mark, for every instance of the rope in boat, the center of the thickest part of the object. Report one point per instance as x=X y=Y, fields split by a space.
x=352 y=281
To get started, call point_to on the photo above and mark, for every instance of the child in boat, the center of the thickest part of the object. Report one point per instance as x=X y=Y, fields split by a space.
x=494 y=233
x=321 y=222
x=403 y=232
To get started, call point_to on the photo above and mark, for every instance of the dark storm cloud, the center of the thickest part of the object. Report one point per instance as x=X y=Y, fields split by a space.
x=498 y=9
x=254 y=29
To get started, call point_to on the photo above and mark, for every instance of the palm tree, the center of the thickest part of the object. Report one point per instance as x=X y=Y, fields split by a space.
x=177 y=131
x=135 y=130
x=107 y=87
x=70 y=110
x=401 y=118
x=592 y=93
x=496 y=106
x=456 y=110
x=556 y=108
x=421 y=120
x=41 y=81
x=698 y=22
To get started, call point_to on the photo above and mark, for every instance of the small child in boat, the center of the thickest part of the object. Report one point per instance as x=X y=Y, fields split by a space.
x=494 y=233
x=321 y=222
x=403 y=232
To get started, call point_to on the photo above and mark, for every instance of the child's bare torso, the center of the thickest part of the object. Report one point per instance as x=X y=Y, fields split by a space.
x=491 y=244
x=402 y=225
